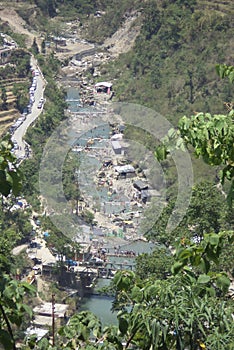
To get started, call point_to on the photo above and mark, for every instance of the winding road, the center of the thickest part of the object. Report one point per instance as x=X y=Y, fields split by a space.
x=20 y=132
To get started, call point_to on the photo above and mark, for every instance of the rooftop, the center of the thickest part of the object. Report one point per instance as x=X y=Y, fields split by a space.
x=121 y=169
x=46 y=309
x=103 y=83
x=39 y=332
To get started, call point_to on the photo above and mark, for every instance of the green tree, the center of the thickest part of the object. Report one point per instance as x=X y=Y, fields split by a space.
x=12 y=308
x=10 y=176
x=21 y=59
x=43 y=47
x=211 y=138
x=12 y=293
x=156 y=265
x=4 y=98
x=153 y=23
x=21 y=93
x=34 y=48
x=188 y=309
x=47 y=7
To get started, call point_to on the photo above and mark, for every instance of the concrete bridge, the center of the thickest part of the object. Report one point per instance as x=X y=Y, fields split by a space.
x=107 y=270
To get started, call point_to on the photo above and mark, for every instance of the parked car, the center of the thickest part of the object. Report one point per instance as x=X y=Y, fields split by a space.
x=36 y=72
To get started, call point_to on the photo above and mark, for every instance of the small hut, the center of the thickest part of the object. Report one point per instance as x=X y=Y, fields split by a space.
x=116 y=147
x=103 y=87
x=125 y=171
x=140 y=185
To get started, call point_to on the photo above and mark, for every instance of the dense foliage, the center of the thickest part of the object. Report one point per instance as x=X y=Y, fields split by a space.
x=174 y=53
x=15 y=77
x=207 y=212
x=186 y=306
x=171 y=65
x=12 y=292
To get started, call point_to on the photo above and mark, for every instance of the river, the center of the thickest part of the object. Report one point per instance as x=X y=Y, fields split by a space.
x=101 y=305
x=98 y=304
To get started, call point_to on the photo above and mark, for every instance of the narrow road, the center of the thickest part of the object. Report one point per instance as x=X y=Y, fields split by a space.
x=20 y=132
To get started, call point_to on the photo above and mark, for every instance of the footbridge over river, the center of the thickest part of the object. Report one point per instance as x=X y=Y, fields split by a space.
x=106 y=270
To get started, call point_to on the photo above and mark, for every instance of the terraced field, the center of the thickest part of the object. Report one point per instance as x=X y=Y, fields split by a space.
x=8 y=116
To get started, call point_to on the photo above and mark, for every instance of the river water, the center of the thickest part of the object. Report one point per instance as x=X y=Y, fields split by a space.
x=98 y=304
x=101 y=305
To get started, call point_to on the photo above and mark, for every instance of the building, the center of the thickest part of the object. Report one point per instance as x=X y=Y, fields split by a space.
x=117 y=148
x=117 y=137
x=147 y=194
x=43 y=314
x=125 y=171
x=140 y=185
x=60 y=41
x=5 y=54
x=107 y=162
x=39 y=333
x=103 y=87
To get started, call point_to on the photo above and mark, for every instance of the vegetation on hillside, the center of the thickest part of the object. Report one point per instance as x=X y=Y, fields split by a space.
x=15 y=79
x=171 y=302
x=171 y=65
x=186 y=306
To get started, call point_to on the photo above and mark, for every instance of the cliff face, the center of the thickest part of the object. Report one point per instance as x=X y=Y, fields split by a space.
x=124 y=38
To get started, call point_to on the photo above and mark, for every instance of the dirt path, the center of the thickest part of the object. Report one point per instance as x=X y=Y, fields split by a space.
x=17 y=24
x=120 y=42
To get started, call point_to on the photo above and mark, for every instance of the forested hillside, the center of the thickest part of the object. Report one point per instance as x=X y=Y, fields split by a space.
x=171 y=67
x=179 y=296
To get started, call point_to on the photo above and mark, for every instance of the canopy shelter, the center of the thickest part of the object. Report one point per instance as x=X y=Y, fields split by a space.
x=103 y=87
x=124 y=169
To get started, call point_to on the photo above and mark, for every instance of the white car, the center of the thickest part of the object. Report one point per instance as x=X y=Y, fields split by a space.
x=40 y=103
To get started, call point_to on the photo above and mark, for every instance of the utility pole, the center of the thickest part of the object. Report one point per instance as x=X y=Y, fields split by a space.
x=77 y=172
x=53 y=319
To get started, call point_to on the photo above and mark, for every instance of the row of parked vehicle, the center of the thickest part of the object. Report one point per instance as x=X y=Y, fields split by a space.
x=27 y=111
x=19 y=121
x=32 y=90
x=29 y=107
